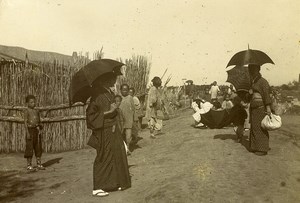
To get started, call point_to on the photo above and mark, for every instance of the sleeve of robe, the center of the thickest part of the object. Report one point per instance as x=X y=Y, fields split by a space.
x=94 y=115
x=264 y=90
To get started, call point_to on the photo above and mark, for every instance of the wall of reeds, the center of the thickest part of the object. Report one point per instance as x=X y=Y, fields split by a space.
x=64 y=126
x=136 y=74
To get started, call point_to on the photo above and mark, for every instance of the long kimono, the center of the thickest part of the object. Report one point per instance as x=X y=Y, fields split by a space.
x=259 y=138
x=110 y=169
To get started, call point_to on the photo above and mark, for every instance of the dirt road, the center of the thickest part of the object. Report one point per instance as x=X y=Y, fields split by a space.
x=183 y=165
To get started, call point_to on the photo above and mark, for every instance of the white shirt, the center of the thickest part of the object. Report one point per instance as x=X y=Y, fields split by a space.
x=214 y=91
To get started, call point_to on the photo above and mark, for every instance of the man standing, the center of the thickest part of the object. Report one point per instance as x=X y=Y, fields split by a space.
x=154 y=105
x=214 y=90
x=191 y=91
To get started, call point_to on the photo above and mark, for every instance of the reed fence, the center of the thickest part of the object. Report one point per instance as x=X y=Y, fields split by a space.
x=64 y=127
x=136 y=74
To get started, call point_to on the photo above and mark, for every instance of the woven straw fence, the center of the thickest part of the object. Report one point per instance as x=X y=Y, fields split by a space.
x=64 y=127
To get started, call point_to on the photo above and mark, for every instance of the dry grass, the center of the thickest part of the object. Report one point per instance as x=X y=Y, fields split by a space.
x=136 y=73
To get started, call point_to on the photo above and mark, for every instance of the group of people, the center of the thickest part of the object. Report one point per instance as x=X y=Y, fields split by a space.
x=245 y=110
x=115 y=122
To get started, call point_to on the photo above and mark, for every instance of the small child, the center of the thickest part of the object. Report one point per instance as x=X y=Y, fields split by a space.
x=120 y=120
x=238 y=116
x=137 y=109
x=227 y=104
x=216 y=105
x=127 y=108
x=33 y=133
x=120 y=116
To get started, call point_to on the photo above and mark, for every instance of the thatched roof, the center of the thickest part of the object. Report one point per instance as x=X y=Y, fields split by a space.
x=19 y=53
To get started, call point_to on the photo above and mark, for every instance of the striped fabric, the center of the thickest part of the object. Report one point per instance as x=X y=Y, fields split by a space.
x=259 y=138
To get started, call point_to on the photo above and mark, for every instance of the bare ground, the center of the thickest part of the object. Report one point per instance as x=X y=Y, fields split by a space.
x=183 y=165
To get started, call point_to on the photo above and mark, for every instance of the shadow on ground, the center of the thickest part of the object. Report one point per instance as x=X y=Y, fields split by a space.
x=15 y=185
x=233 y=137
x=52 y=161
x=134 y=147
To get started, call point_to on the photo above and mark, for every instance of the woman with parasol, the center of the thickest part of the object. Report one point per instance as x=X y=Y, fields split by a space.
x=95 y=80
x=260 y=105
x=260 y=101
x=110 y=166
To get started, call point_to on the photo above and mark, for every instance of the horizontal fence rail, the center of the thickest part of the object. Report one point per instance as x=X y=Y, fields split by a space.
x=43 y=120
x=64 y=126
x=42 y=108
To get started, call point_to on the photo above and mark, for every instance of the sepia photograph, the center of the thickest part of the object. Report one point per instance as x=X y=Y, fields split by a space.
x=150 y=101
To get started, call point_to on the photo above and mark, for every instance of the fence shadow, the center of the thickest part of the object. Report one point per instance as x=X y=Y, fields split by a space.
x=15 y=185
x=52 y=161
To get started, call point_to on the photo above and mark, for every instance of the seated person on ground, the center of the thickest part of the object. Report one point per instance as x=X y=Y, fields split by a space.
x=200 y=106
x=227 y=104
x=216 y=105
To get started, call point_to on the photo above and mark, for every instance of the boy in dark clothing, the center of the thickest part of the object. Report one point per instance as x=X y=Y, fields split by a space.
x=33 y=133
x=238 y=116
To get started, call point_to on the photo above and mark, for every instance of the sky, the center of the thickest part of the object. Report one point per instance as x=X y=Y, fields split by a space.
x=194 y=39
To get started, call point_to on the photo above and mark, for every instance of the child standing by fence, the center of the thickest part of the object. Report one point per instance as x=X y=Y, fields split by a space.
x=33 y=133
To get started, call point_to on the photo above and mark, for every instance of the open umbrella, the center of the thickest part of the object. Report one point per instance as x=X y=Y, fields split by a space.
x=215 y=118
x=249 y=56
x=81 y=84
x=239 y=77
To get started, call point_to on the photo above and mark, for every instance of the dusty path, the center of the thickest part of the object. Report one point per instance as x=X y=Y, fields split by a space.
x=183 y=165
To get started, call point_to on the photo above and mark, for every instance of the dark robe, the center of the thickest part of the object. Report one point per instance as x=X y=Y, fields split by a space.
x=259 y=137
x=110 y=169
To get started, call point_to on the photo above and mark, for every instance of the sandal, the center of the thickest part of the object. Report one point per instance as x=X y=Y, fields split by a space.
x=152 y=136
x=30 y=168
x=41 y=167
x=100 y=193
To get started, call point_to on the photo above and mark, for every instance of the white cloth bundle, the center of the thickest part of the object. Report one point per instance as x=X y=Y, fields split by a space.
x=272 y=122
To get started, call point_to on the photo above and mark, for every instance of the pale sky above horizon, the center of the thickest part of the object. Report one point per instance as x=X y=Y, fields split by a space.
x=194 y=39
